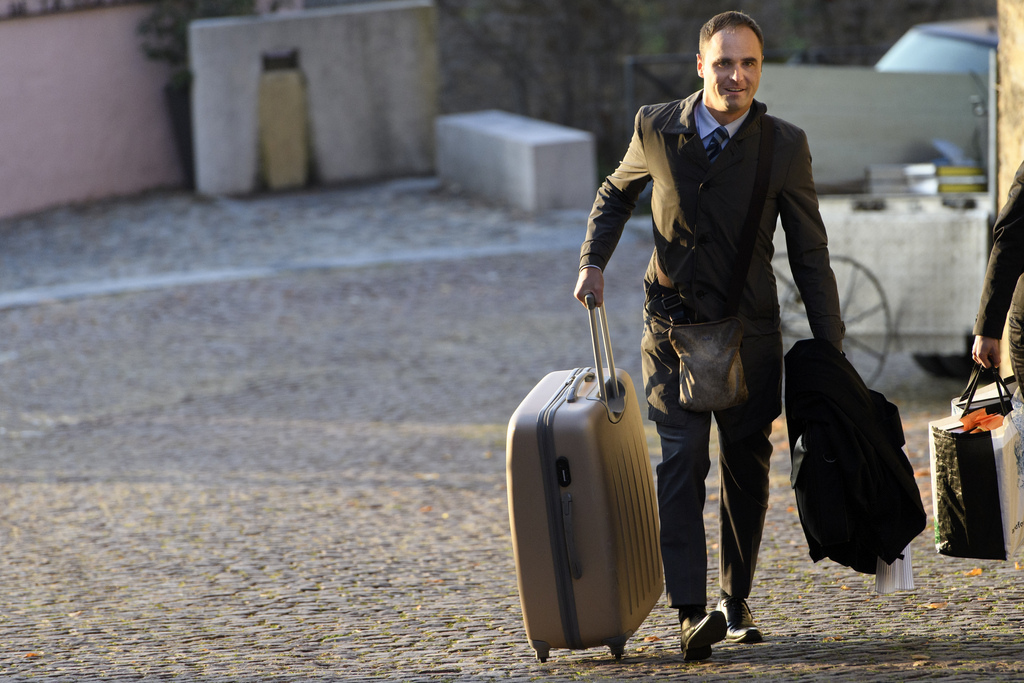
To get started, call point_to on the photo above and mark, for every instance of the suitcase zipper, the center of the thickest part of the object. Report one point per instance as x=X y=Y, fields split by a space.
x=560 y=514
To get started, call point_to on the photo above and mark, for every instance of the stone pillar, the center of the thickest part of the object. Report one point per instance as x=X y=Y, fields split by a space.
x=1011 y=93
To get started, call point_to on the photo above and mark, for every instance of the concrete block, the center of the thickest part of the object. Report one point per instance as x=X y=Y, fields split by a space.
x=371 y=75
x=526 y=163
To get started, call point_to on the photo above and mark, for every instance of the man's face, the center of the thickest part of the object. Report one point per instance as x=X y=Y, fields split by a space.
x=731 y=68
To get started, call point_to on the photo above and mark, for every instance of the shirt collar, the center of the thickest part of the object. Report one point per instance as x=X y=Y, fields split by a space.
x=706 y=123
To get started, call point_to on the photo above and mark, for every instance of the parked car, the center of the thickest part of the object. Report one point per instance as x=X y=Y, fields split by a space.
x=961 y=46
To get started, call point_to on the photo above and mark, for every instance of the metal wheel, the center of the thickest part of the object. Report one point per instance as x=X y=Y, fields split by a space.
x=864 y=309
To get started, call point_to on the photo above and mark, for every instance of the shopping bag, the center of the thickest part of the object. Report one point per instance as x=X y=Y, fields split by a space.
x=977 y=480
x=1010 y=474
x=965 y=490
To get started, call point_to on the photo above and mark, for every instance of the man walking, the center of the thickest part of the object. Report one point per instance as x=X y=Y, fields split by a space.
x=701 y=153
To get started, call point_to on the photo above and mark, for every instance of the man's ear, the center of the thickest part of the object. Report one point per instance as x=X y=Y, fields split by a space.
x=700 y=65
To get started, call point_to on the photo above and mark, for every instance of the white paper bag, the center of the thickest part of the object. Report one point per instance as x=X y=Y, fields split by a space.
x=1010 y=474
x=898 y=576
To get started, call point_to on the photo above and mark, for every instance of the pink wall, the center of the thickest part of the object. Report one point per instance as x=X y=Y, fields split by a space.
x=82 y=113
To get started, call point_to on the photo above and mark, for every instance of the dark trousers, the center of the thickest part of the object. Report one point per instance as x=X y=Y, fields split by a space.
x=743 y=501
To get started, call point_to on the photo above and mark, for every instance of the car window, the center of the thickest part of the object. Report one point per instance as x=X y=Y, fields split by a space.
x=917 y=51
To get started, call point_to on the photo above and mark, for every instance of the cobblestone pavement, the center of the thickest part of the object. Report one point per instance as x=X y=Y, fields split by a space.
x=300 y=475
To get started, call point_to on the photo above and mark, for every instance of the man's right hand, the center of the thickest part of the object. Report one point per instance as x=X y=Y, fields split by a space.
x=590 y=280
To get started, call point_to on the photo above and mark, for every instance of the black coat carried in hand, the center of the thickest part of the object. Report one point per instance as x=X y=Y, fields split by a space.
x=854 y=485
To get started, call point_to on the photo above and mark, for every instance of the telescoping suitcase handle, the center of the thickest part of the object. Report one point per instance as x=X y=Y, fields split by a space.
x=597 y=315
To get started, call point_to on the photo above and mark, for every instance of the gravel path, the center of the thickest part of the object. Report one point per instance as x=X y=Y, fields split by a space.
x=298 y=474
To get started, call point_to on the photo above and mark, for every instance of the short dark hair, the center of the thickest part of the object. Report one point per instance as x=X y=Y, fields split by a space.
x=726 y=20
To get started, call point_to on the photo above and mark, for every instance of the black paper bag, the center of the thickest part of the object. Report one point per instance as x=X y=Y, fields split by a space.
x=965 y=491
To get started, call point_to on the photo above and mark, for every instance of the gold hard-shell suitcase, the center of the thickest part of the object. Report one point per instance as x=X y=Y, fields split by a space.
x=583 y=507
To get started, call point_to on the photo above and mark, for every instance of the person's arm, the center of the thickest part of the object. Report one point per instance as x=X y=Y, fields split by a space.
x=616 y=199
x=1005 y=264
x=807 y=245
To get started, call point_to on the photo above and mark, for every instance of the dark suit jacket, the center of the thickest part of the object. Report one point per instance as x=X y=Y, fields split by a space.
x=698 y=211
x=855 y=487
x=1005 y=266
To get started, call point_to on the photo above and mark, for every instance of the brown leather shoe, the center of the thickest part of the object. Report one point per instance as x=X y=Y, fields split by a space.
x=740 y=623
x=698 y=631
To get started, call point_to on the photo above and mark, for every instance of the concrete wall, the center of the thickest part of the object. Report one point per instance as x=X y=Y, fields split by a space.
x=371 y=74
x=82 y=113
x=855 y=117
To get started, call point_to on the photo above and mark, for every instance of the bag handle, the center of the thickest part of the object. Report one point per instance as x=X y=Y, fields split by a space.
x=597 y=314
x=745 y=251
x=972 y=387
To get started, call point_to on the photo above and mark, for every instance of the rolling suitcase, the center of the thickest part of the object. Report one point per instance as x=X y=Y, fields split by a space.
x=583 y=507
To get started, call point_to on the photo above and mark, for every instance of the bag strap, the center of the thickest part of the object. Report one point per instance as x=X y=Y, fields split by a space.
x=745 y=252
x=972 y=386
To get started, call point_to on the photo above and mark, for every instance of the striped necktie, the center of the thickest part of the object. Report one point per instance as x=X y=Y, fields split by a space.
x=715 y=146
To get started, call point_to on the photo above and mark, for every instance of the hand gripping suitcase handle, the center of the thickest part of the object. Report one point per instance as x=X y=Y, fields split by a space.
x=597 y=317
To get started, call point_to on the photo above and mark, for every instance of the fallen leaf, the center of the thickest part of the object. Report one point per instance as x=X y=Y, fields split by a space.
x=790 y=509
x=936 y=605
x=923 y=472
x=920 y=663
x=651 y=639
x=426 y=508
x=844 y=588
x=974 y=572
x=1016 y=565
x=30 y=655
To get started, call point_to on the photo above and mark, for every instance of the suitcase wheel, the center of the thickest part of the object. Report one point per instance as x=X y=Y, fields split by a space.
x=542 y=649
x=617 y=650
